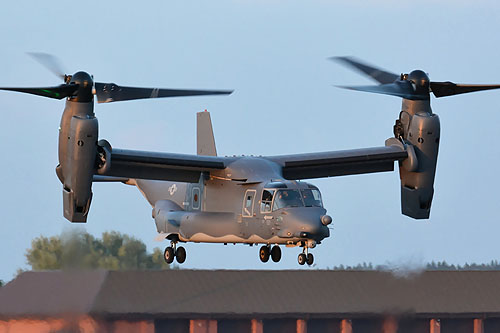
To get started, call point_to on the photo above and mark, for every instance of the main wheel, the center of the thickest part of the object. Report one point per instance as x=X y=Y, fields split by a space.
x=264 y=253
x=302 y=259
x=180 y=255
x=310 y=259
x=276 y=253
x=169 y=255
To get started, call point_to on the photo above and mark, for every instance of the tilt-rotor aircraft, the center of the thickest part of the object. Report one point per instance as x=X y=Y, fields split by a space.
x=245 y=199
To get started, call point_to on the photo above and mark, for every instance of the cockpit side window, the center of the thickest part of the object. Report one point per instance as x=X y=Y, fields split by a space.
x=287 y=198
x=267 y=199
x=311 y=197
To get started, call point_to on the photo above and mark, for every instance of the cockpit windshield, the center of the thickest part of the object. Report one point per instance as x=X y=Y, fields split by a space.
x=287 y=198
x=283 y=198
x=311 y=197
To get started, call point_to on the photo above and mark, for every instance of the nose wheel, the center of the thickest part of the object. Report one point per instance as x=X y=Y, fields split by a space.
x=172 y=252
x=302 y=259
x=305 y=257
x=310 y=259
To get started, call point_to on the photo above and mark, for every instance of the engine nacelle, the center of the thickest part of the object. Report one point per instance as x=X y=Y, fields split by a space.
x=77 y=153
x=421 y=130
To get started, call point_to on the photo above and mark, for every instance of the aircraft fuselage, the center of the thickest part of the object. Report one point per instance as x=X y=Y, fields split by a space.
x=231 y=207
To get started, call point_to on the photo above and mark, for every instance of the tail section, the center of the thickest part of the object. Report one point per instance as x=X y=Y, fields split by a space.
x=205 y=140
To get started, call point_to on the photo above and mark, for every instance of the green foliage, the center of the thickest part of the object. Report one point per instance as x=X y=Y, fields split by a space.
x=114 y=251
x=1 y=283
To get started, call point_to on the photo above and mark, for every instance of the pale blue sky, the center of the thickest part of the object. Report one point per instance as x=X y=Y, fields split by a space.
x=273 y=53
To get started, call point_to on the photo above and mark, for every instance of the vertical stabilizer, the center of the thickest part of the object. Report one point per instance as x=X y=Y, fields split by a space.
x=205 y=135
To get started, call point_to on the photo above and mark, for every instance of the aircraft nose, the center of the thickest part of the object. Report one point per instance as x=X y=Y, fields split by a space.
x=311 y=223
x=316 y=231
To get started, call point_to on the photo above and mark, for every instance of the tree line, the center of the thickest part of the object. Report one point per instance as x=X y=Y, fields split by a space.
x=79 y=249
x=494 y=265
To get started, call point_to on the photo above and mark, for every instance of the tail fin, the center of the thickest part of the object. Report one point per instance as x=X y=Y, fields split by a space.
x=205 y=140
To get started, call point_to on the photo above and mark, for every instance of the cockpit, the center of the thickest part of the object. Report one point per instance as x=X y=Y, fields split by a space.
x=278 y=198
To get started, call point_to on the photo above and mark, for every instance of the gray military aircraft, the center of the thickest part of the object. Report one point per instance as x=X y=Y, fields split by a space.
x=242 y=199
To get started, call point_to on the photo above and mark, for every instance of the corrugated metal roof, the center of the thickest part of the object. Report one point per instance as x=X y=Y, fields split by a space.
x=223 y=293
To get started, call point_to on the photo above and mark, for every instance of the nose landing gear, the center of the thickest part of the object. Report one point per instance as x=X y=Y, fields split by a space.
x=305 y=257
x=172 y=252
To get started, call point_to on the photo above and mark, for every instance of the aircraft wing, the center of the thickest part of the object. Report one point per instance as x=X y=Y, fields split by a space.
x=125 y=164
x=339 y=163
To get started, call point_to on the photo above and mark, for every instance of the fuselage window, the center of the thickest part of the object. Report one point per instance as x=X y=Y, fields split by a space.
x=267 y=199
x=311 y=197
x=287 y=198
x=248 y=203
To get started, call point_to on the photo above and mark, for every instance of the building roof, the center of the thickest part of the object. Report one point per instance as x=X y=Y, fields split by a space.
x=232 y=293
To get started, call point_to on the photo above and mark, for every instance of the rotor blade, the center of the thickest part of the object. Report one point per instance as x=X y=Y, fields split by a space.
x=50 y=62
x=58 y=92
x=377 y=74
x=402 y=89
x=110 y=92
x=442 y=89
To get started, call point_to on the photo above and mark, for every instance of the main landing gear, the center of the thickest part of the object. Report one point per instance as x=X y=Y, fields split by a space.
x=266 y=251
x=172 y=252
x=306 y=257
